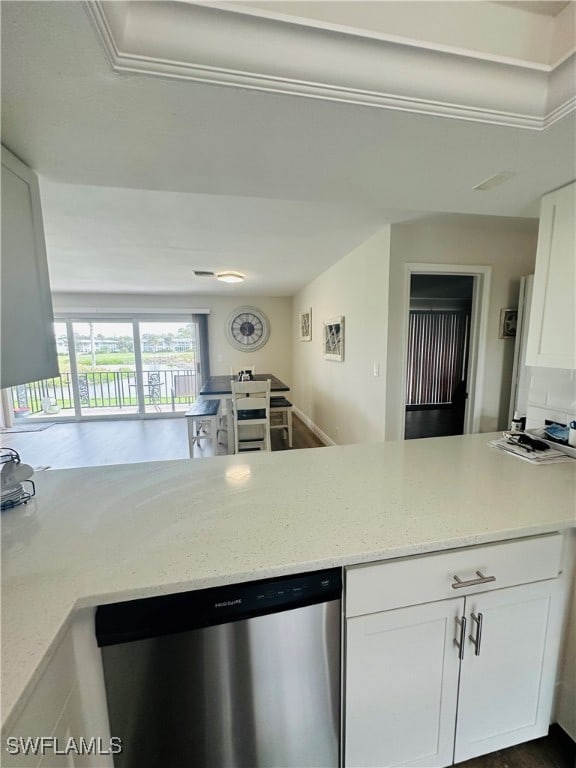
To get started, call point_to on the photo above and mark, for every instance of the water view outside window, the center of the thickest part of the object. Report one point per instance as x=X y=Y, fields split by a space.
x=106 y=368
x=118 y=368
x=169 y=353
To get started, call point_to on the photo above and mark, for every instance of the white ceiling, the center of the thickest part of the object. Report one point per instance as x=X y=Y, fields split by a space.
x=144 y=179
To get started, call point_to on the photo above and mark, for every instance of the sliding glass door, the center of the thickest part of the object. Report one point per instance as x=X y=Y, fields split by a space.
x=118 y=367
x=106 y=379
x=170 y=365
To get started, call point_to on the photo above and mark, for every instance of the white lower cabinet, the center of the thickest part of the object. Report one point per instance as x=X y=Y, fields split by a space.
x=64 y=722
x=506 y=679
x=439 y=682
x=401 y=685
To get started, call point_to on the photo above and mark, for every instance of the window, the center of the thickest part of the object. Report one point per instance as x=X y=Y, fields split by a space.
x=119 y=366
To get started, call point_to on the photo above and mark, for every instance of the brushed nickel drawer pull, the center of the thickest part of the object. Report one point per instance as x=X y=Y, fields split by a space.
x=478 y=639
x=462 y=632
x=472 y=582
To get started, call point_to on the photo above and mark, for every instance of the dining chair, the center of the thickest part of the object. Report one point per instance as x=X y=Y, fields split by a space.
x=234 y=372
x=251 y=415
x=281 y=416
x=183 y=385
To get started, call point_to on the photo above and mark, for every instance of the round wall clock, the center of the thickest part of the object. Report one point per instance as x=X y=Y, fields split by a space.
x=247 y=328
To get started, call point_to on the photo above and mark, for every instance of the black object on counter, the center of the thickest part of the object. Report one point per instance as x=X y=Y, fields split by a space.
x=531 y=442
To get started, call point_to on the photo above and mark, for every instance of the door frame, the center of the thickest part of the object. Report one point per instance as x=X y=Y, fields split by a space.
x=478 y=334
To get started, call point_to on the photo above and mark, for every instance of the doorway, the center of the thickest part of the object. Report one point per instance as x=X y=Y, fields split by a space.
x=438 y=349
x=478 y=332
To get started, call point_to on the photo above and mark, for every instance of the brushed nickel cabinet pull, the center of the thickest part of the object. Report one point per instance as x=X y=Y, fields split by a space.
x=478 y=639
x=462 y=632
x=458 y=583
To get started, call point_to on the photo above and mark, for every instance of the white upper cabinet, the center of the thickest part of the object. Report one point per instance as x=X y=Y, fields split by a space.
x=552 y=332
x=28 y=348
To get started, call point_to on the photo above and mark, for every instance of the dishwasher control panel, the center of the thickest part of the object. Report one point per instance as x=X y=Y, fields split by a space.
x=150 y=617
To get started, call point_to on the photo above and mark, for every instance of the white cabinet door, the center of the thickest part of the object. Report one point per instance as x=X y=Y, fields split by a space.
x=552 y=331
x=401 y=686
x=28 y=345
x=506 y=690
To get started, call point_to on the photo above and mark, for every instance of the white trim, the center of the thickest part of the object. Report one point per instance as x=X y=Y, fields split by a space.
x=491 y=82
x=84 y=312
x=360 y=97
x=560 y=112
x=73 y=367
x=313 y=428
x=478 y=335
x=140 y=394
x=371 y=34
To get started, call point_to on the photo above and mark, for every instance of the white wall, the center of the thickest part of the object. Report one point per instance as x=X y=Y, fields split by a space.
x=344 y=402
x=275 y=357
x=509 y=247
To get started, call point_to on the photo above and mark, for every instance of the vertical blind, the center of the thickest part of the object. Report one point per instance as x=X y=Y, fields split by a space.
x=436 y=355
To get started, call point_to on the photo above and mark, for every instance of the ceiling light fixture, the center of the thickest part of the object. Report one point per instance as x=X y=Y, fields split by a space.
x=230 y=277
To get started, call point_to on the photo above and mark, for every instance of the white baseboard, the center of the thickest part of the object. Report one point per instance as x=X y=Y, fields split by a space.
x=311 y=426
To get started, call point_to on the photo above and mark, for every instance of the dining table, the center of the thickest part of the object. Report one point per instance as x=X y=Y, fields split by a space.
x=220 y=388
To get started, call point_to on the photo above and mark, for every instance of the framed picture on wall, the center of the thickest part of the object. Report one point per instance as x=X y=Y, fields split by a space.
x=334 y=339
x=305 y=325
x=508 y=322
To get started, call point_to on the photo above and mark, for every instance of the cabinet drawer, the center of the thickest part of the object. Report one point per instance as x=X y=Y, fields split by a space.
x=425 y=578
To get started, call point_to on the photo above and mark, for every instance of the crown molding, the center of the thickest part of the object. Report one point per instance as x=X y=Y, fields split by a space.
x=557 y=114
x=373 y=34
x=199 y=43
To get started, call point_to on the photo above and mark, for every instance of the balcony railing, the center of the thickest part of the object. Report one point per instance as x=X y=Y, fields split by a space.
x=103 y=389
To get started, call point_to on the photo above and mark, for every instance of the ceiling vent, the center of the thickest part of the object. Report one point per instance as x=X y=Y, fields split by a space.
x=494 y=181
x=203 y=273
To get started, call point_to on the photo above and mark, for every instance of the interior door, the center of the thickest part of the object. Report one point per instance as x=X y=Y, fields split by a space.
x=401 y=686
x=503 y=700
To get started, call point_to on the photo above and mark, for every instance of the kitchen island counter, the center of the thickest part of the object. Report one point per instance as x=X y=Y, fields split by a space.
x=105 y=534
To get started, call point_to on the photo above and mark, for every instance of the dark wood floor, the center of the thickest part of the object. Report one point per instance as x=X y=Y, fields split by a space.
x=557 y=750
x=432 y=422
x=302 y=437
x=99 y=443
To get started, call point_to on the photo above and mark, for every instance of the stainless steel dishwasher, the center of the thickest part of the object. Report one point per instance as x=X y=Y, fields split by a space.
x=243 y=676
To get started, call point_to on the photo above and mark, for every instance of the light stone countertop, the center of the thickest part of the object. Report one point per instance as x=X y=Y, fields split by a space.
x=104 y=534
